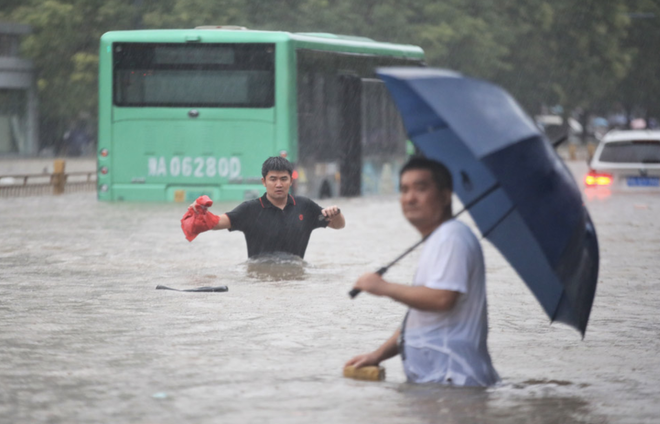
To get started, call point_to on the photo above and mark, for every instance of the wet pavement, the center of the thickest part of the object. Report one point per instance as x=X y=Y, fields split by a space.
x=86 y=338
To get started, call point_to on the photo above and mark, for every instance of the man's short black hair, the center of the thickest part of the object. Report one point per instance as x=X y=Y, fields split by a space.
x=276 y=163
x=440 y=173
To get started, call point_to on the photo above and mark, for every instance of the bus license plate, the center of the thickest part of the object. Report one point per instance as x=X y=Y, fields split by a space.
x=643 y=181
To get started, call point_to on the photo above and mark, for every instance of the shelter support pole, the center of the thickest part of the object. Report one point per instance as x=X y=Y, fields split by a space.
x=58 y=179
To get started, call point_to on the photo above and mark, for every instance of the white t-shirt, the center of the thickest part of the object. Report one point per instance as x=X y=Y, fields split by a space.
x=450 y=347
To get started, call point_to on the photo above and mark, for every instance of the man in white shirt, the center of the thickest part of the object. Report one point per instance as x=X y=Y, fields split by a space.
x=444 y=336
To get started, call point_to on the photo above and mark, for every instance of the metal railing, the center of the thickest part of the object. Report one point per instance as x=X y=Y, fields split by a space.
x=44 y=184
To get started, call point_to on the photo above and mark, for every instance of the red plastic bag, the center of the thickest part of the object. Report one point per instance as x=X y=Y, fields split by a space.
x=199 y=219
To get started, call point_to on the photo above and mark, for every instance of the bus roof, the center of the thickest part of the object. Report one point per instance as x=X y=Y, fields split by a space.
x=319 y=41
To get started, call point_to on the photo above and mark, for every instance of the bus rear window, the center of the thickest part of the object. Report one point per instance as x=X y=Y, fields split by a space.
x=194 y=75
x=643 y=151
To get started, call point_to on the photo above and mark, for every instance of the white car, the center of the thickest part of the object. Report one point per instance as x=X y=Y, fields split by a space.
x=626 y=160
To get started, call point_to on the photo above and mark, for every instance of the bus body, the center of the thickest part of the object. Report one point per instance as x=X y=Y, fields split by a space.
x=189 y=112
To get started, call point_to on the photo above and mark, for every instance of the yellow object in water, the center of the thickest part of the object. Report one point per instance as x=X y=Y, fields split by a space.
x=369 y=373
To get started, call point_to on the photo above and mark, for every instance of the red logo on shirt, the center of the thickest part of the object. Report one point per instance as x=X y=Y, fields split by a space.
x=300 y=216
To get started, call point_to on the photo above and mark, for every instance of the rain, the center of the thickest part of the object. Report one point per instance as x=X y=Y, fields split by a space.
x=85 y=336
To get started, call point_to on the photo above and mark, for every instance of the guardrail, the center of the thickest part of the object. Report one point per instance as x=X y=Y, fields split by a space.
x=58 y=182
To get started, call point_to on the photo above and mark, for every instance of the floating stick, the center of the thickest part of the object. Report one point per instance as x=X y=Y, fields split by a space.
x=199 y=289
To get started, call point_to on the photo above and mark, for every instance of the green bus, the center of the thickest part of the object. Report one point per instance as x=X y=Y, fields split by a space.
x=189 y=112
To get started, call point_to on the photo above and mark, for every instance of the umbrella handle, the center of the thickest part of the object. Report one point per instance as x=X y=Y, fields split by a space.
x=355 y=292
x=560 y=140
x=384 y=269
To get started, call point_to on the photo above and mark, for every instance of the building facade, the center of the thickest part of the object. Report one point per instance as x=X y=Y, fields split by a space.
x=18 y=95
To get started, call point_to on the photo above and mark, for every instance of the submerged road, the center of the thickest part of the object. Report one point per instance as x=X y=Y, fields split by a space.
x=86 y=338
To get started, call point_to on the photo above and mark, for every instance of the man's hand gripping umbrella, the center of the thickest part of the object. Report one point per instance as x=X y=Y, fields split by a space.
x=354 y=292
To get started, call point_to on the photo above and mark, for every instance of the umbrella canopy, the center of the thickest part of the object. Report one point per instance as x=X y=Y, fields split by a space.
x=518 y=191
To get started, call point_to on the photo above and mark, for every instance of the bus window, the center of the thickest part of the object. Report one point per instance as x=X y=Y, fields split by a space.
x=194 y=75
x=383 y=131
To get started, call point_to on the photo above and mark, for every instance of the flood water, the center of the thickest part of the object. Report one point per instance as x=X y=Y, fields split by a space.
x=86 y=338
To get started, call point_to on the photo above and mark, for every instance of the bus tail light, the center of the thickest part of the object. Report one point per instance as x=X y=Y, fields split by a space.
x=104 y=170
x=104 y=153
x=294 y=175
x=283 y=153
x=594 y=179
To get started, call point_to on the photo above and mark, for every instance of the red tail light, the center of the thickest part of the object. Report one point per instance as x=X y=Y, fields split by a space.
x=294 y=175
x=594 y=179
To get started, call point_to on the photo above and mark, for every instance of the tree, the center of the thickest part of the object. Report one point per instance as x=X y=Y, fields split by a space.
x=566 y=53
x=640 y=88
x=577 y=54
x=63 y=47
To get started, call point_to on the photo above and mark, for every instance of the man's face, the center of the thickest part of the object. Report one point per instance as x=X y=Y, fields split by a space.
x=277 y=184
x=421 y=202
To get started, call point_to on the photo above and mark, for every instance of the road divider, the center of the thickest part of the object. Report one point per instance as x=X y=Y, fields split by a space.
x=59 y=182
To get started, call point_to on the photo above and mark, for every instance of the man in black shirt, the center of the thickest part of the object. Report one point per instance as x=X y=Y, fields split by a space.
x=278 y=222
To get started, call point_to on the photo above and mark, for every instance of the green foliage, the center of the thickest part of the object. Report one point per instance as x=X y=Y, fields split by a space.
x=586 y=54
x=63 y=47
x=640 y=87
x=564 y=52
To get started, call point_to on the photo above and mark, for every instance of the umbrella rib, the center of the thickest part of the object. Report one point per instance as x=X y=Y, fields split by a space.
x=499 y=221
x=427 y=130
x=478 y=199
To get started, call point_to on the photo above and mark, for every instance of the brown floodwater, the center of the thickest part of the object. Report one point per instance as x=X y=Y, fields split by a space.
x=86 y=338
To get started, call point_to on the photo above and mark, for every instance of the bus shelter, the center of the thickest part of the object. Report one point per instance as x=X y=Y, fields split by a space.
x=18 y=97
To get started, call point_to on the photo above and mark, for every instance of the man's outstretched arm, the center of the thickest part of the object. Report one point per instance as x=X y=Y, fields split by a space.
x=418 y=297
x=223 y=224
x=201 y=206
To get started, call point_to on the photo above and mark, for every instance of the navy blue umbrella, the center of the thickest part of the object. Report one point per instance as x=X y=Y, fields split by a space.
x=515 y=186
